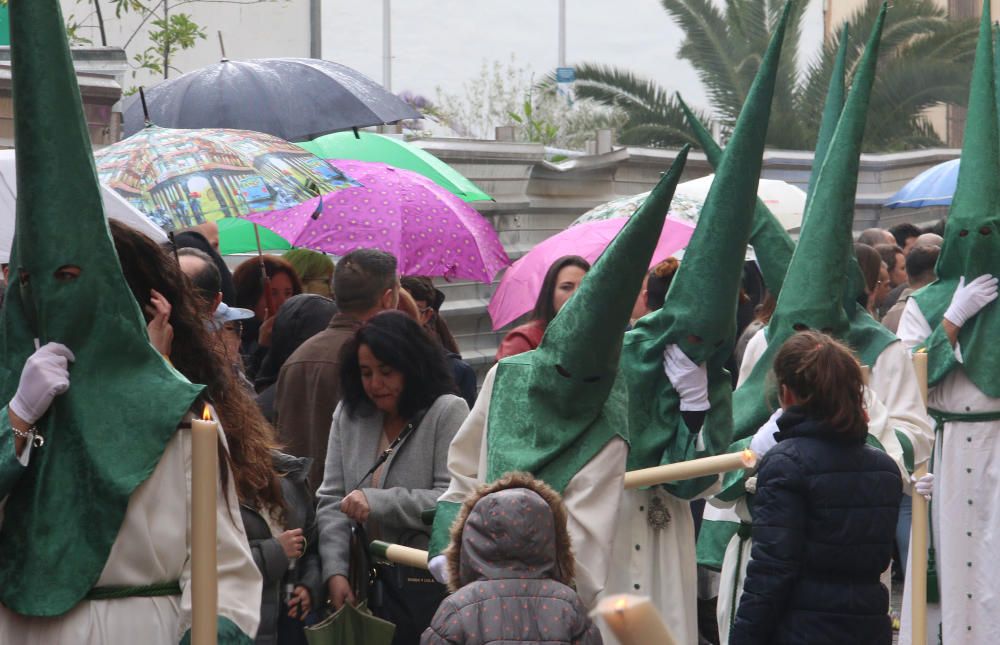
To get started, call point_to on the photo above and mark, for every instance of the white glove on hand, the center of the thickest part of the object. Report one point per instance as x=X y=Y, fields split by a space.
x=438 y=566
x=970 y=298
x=689 y=379
x=764 y=439
x=924 y=485
x=44 y=377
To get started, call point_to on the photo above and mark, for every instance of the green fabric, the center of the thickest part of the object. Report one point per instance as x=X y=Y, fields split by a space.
x=230 y=634
x=10 y=468
x=942 y=417
x=369 y=146
x=554 y=408
x=836 y=93
x=236 y=235
x=701 y=303
x=771 y=242
x=114 y=592
x=107 y=433
x=971 y=246
x=907 y=445
x=713 y=539
x=825 y=247
x=444 y=517
x=351 y=625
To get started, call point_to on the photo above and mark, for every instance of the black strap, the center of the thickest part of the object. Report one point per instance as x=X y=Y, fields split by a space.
x=412 y=425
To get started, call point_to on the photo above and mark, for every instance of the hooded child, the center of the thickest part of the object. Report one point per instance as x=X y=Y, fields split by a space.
x=95 y=509
x=674 y=365
x=559 y=411
x=956 y=321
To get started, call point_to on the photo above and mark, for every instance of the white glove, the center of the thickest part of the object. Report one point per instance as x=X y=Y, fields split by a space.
x=924 y=485
x=689 y=379
x=44 y=377
x=438 y=566
x=764 y=439
x=970 y=298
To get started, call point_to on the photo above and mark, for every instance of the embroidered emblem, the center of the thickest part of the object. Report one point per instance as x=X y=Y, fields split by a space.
x=657 y=515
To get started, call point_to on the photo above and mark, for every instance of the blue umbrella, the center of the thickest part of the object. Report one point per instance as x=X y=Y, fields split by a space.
x=933 y=187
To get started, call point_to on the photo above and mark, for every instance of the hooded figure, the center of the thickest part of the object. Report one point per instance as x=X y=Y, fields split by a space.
x=559 y=411
x=654 y=550
x=956 y=321
x=509 y=545
x=77 y=513
x=817 y=270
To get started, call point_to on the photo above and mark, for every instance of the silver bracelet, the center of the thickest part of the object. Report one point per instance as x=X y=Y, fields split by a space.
x=32 y=435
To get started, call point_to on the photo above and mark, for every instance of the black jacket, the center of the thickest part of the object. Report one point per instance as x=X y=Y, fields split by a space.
x=270 y=556
x=824 y=518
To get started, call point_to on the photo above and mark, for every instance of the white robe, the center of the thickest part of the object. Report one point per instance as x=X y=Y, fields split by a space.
x=153 y=546
x=966 y=506
x=894 y=404
x=591 y=498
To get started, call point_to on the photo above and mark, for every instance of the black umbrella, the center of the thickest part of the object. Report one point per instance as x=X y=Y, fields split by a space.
x=296 y=99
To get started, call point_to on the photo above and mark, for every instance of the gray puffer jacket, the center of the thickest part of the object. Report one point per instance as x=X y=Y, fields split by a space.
x=510 y=555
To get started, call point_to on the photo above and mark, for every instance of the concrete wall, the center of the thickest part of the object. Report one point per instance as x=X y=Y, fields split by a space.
x=536 y=199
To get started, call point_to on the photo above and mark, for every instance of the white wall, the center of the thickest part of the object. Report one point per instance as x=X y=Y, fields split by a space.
x=261 y=29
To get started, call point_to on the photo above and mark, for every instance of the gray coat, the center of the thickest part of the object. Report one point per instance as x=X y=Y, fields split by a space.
x=510 y=555
x=412 y=479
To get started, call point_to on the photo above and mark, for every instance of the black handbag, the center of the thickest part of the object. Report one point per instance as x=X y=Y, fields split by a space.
x=405 y=596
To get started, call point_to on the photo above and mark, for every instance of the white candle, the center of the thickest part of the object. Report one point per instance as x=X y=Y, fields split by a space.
x=204 y=483
x=690 y=469
x=634 y=620
x=918 y=534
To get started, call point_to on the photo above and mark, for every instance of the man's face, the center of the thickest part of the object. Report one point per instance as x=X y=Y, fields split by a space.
x=898 y=275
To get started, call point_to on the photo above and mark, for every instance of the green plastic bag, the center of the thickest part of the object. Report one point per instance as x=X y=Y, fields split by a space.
x=351 y=625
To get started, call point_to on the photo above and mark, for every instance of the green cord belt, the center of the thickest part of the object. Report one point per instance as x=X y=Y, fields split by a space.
x=114 y=592
x=967 y=417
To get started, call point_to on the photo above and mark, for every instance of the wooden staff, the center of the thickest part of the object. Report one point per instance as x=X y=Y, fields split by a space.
x=918 y=534
x=204 y=573
x=655 y=476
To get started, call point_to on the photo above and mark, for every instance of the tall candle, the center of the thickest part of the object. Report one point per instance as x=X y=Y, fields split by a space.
x=634 y=620
x=713 y=465
x=204 y=488
x=399 y=554
x=918 y=534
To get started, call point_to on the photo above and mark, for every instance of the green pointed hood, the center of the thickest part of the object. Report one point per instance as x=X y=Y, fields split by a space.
x=700 y=310
x=705 y=290
x=107 y=433
x=836 y=92
x=772 y=244
x=824 y=249
x=972 y=235
x=554 y=408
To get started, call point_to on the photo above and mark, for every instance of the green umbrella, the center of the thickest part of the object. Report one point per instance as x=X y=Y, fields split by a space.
x=368 y=146
x=236 y=235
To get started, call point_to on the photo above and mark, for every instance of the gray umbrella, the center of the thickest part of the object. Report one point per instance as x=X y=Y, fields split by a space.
x=296 y=99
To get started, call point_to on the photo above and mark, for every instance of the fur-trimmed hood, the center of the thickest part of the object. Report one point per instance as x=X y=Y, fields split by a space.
x=514 y=528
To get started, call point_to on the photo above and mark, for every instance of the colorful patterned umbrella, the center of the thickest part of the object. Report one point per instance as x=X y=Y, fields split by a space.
x=180 y=178
x=429 y=230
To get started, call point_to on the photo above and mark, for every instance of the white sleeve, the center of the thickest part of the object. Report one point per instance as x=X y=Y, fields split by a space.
x=467 y=452
x=755 y=349
x=592 y=498
x=914 y=328
x=240 y=582
x=894 y=381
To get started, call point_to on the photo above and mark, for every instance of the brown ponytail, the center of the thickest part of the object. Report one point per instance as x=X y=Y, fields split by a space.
x=826 y=379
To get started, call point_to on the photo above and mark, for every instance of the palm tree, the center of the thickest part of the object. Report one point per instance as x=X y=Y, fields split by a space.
x=925 y=60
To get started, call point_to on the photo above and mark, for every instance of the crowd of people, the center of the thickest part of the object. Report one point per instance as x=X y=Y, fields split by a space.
x=345 y=413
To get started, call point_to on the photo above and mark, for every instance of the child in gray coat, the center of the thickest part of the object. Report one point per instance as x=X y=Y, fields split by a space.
x=511 y=566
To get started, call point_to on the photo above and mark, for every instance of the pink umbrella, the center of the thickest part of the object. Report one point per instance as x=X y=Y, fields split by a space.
x=429 y=230
x=521 y=283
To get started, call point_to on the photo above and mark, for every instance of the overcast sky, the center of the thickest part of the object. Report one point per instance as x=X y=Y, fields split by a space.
x=444 y=42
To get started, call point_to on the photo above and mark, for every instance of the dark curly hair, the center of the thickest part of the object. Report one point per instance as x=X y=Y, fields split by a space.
x=400 y=342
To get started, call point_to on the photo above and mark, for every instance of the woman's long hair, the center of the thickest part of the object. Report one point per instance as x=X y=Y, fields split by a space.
x=544 y=310
x=196 y=355
x=400 y=342
x=826 y=378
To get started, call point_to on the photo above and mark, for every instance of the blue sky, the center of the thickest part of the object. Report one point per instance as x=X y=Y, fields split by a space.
x=444 y=42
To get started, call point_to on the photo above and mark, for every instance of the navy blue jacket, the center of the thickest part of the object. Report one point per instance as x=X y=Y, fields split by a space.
x=824 y=518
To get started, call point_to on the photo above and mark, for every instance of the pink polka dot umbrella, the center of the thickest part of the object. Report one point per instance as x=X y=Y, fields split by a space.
x=429 y=230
